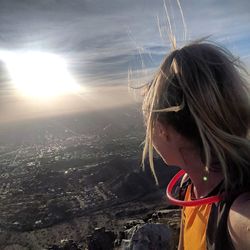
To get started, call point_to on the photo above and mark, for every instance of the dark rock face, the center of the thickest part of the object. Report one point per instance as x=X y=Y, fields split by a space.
x=69 y=245
x=139 y=183
x=101 y=240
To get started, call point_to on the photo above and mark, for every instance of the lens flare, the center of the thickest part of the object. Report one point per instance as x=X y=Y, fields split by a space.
x=39 y=74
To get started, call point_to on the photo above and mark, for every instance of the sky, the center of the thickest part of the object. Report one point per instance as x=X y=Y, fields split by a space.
x=103 y=40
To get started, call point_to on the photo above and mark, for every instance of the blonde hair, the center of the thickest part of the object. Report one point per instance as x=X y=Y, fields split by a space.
x=199 y=90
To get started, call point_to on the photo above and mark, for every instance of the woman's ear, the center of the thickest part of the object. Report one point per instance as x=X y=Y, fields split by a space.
x=162 y=130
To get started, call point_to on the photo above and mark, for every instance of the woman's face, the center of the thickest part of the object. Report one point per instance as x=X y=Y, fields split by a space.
x=166 y=142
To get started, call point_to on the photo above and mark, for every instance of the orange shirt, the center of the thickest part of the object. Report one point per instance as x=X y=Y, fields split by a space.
x=194 y=221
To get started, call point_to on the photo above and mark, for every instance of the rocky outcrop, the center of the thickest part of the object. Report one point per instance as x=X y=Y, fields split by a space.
x=149 y=236
x=158 y=230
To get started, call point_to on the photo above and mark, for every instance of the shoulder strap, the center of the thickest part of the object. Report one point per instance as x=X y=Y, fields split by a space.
x=217 y=228
x=185 y=182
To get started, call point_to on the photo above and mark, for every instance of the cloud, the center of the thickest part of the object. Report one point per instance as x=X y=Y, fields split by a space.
x=102 y=40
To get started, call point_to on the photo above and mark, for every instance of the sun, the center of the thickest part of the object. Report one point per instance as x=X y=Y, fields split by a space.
x=39 y=74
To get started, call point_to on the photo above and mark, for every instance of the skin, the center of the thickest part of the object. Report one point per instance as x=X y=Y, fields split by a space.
x=179 y=151
x=239 y=222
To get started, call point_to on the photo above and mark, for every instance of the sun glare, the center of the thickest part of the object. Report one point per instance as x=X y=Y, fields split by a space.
x=39 y=74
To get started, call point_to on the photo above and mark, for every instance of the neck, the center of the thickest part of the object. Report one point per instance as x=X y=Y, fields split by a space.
x=202 y=188
x=195 y=168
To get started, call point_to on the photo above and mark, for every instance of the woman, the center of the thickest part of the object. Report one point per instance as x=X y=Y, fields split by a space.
x=197 y=117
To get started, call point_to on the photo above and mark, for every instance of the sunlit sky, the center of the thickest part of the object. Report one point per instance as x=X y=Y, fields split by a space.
x=101 y=40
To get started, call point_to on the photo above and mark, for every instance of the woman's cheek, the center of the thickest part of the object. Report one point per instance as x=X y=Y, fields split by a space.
x=168 y=153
